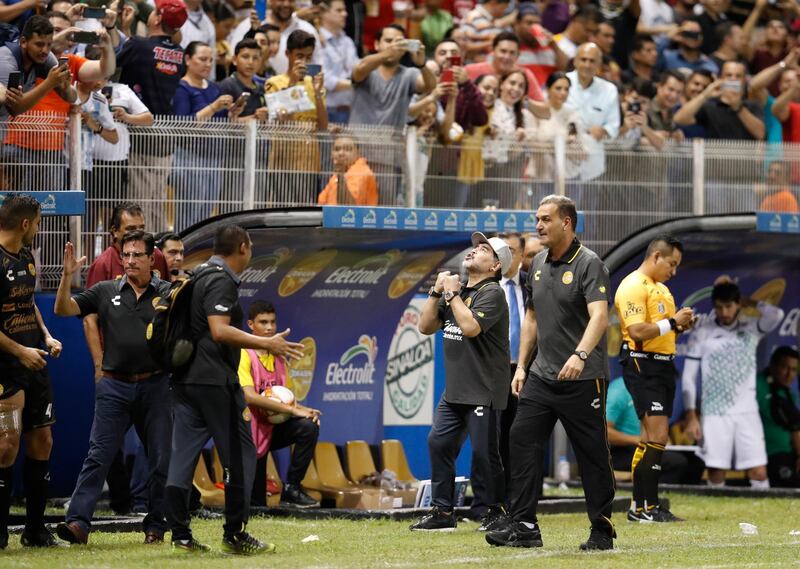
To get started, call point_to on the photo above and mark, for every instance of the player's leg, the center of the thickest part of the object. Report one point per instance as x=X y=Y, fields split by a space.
x=10 y=429
x=634 y=383
x=37 y=417
x=718 y=447
x=750 y=449
x=484 y=434
x=303 y=433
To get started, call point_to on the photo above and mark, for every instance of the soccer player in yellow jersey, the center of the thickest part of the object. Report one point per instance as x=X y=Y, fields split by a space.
x=650 y=326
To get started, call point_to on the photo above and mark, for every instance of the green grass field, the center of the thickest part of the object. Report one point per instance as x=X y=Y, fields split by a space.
x=710 y=539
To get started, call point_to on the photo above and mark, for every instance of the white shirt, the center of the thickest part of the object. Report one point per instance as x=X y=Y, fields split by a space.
x=279 y=63
x=726 y=356
x=520 y=303
x=122 y=96
x=655 y=13
x=97 y=106
x=198 y=27
x=597 y=105
x=339 y=58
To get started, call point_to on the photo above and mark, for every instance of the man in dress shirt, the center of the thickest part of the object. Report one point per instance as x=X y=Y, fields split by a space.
x=198 y=27
x=597 y=103
x=339 y=57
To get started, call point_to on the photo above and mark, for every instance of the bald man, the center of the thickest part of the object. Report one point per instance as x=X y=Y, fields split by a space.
x=596 y=102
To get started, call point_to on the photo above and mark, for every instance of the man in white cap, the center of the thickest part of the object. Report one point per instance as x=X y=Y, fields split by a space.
x=474 y=318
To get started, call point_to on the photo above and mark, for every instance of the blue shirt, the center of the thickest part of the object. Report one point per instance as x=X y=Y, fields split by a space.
x=190 y=100
x=772 y=124
x=339 y=58
x=671 y=59
x=620 y=409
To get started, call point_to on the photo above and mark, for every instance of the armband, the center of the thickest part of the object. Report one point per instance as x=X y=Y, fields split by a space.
x=664 y=327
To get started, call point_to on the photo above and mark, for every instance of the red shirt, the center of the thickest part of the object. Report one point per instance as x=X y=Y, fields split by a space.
x=108 y=266
x=475 y=70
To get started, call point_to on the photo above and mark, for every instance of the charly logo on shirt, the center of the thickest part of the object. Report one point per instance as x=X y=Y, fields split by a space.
x=116 y=300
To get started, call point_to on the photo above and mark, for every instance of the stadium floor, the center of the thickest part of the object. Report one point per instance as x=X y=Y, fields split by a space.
x=710 y=539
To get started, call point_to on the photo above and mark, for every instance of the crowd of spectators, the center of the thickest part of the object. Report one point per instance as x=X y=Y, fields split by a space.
x=491 y=80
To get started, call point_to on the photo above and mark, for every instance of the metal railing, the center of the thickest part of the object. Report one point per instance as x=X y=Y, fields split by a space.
x=182 y=171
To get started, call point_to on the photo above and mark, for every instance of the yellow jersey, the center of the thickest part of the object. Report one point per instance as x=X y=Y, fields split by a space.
x=640 y=299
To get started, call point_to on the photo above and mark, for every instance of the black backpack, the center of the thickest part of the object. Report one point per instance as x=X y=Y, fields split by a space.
x=169 y=334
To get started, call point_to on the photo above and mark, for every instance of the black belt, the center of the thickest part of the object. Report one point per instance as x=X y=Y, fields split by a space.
x=654 y=356
x=131 y=377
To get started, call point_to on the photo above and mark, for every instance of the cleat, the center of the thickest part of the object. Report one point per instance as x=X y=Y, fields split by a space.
x=639 y=515
x=435 y=520
x=660 y=514
x=495 y=518
x=515 y=534
x=153 y=538
x=41 y=538
x=184 y=546
x=243 y=543
x=599 y=540
x=294 y=497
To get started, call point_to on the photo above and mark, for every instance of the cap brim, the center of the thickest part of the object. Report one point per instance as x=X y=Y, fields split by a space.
x=478 y=238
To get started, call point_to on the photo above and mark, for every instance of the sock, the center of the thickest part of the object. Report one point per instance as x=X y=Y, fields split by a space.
x=759 y=484
x=715 y=484
x=638 y=496
x=5 y=496
x=37 y=477
x=650 y=465
x=637 y=503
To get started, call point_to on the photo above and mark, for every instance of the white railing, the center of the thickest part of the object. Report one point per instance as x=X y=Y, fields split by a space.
x=182 y=172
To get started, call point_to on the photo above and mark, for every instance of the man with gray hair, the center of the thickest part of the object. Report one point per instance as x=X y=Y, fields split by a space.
x=567 y=312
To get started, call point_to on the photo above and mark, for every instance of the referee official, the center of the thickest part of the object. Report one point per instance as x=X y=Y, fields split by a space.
x=474 y=319
x=208 y=400
x=650 y=326
x=567 y=313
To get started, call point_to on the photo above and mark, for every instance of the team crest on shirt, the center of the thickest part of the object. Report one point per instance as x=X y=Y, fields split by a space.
x=156 y=300
x=468 y=301
x=661 y=308
x=32 y=269
x=567 y=278
x=246 y=415
x=2 y=389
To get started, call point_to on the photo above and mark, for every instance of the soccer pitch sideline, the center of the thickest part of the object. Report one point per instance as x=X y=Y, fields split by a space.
x=711 y=538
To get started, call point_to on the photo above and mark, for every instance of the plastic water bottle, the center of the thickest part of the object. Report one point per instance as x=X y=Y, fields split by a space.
x=98 y=239
x=562 y=470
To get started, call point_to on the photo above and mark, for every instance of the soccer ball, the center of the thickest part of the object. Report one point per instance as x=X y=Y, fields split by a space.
x=282 y=395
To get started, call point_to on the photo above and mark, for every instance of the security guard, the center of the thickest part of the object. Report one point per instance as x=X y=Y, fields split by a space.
x=131 y=390
x=567 y=313
x=209 y=400
x=26 y=395
x=474 y=319
x=649 y=329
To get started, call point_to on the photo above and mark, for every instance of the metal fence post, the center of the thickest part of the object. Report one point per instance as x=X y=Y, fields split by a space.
x=250 y=142
x=74 y=154
x=411 y=170
x=560 y=162
x=698 y=176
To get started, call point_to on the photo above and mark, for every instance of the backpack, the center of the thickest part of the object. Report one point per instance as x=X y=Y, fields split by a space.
x=169 y=334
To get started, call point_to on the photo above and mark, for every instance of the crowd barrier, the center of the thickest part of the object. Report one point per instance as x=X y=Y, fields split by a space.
x=183 y=171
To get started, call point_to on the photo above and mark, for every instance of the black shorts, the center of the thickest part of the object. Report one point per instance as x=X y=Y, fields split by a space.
x=651 y=384
x=38 y=410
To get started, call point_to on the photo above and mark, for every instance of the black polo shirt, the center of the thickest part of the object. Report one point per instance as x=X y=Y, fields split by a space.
x=560 y=292
x=476 y=369
x=123 y=321
x=17 y=308
x=723 y=123
x=217 y=294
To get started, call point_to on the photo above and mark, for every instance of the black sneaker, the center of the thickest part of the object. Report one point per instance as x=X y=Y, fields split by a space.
x=243 y=543
x=436 y=520
x=495 y=518
x=40 y=538
x=189 y=546
x=515 y=534
x=661 y=514
x=599 y=540
x=294 y=496
x=640 y=515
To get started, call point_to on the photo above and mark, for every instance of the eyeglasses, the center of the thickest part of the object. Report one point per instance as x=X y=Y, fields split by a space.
x=133 y=254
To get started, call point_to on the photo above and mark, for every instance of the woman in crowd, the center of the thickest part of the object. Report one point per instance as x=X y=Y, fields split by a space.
x=476 y=145
x=512 y=123
x=196 y=171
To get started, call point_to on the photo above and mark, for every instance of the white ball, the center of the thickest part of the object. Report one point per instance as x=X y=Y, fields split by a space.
x=283 y=395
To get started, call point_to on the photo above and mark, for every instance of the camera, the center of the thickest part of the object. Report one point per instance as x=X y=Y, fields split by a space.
x=635 y=107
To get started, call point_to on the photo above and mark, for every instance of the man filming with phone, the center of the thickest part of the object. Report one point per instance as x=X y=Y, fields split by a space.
x=723 y=110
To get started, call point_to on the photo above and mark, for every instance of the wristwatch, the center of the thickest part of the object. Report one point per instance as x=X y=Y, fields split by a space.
x=450 y=295
x=581 y=354
x=432 y=292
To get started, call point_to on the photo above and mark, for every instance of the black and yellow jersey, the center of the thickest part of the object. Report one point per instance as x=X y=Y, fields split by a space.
x=640 y=299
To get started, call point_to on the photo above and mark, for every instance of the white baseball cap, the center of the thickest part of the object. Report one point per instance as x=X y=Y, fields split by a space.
x=499 y=247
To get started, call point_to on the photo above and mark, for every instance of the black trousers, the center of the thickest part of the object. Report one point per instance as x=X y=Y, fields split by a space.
x=506 y=420
x=303 y=434
x=451 y=425
x=220 y=412
x=580 y=406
